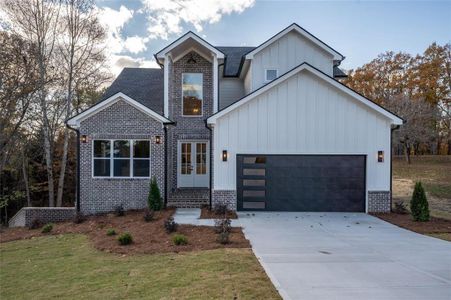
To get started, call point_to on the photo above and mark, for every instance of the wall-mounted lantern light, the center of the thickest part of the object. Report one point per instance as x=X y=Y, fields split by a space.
x=224 y=155
x=157 y=139
x=84 y=139
x=380 y=156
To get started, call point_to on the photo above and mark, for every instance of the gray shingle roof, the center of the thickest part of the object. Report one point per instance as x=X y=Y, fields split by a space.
x=233 y=59
x=339 y=72
x=144 y=85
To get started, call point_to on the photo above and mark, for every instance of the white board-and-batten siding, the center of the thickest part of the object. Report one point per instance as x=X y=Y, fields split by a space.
x=302 y=115
x=286 y=53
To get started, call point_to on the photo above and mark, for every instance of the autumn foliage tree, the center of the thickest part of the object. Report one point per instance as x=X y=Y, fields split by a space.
x=417 y=88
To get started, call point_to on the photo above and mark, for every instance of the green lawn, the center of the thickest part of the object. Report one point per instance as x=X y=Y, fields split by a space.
x=68 y=267
x=435 y=174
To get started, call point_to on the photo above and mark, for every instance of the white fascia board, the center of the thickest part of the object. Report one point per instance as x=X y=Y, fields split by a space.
x=336 y=56
x=304 y=66
x=75 y=121
x=161 y=54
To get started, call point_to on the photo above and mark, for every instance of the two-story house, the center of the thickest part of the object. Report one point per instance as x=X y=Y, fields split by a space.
x=256 y=128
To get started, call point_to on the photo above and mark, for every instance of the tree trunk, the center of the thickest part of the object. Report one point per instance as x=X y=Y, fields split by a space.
x=59 y=197
x=25 y=179
x=407 y=153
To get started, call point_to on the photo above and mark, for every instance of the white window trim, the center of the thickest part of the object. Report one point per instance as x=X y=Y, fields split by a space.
x=266 y=74
x=130 y=158
x=202 y=104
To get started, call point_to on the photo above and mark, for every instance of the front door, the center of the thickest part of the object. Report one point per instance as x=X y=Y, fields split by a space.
x=193 y=164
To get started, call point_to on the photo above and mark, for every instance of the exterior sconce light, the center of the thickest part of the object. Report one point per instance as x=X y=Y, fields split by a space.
x=380 y=156
x=157 y=139
x=84 y=139
x=224 y=155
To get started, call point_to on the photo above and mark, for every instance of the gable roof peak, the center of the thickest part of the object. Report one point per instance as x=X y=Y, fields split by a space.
x=337 y=56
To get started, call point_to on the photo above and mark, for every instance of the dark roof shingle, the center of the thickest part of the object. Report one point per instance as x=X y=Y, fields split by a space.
x=233 y=59
x=144 y=85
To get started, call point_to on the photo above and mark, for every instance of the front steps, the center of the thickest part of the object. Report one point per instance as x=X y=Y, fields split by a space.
x=189 y=198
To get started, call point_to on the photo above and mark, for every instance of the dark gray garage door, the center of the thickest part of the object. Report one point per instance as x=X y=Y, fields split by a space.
x=301 y=182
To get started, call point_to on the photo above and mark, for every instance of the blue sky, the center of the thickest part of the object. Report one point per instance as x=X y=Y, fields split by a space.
x=358 y=29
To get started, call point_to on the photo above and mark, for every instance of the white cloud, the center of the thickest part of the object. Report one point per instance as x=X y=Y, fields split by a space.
x=165 y=17
x=136 y=44
x=118 y=62
x=114 y=21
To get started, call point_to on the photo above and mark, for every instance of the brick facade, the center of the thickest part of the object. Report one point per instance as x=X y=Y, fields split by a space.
x=379 y=201
x=118 y=121
x=187 y=128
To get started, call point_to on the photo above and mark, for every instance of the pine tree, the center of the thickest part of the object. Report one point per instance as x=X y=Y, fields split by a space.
x=419 y=204
x=154 y=199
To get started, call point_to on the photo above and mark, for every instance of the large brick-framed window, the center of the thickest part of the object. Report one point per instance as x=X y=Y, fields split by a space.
x=192 y=94
x=121 y=158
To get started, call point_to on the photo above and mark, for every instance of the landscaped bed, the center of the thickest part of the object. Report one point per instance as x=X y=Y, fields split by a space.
x=148 y=237
x=436 y=227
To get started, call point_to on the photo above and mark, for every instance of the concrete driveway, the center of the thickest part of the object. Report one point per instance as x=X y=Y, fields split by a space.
x=347 y=256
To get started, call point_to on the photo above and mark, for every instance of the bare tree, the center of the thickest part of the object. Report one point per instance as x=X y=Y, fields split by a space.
x=18 y=84
x=81 y=56
x=420 y=123
x=36 y=21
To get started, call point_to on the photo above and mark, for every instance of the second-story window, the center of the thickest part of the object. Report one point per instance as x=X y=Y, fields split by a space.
x=270 y=74
x=192 y=94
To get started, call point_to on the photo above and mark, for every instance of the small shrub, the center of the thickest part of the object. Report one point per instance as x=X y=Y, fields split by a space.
x=154 y=200
x=170 y=225
x=47 y=228
x=419 y=204
x=180 y=239
x=220 y=209
x=222 y=225
x=400 y=208
x=223 y=237
x=125 y=239
x=35 y=224
x=149 y=215
x=78 y=218
x=119 y=211
x=111 y=232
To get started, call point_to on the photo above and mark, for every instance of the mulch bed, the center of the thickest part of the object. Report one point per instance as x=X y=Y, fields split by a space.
x=206 y=213
x=148 y=237
x=435 y=225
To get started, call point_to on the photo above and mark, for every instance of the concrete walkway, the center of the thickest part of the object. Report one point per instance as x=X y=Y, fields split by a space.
x=348 y=256
x=190 y=216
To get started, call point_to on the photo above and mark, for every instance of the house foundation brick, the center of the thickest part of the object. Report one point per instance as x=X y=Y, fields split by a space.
x=379 y=201
x=227 y=197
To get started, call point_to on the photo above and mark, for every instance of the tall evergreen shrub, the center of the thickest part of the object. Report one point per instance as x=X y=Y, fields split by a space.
x=419 y=204
x=154 y=200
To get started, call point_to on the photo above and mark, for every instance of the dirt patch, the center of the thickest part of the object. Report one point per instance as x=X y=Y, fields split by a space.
x=434 y=226
x=206 y=213
x=148 y=237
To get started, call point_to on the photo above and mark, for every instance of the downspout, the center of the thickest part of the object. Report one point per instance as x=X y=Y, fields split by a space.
x=165 y=129
x=391 y=165
x=77 y=182
x=211 y=163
